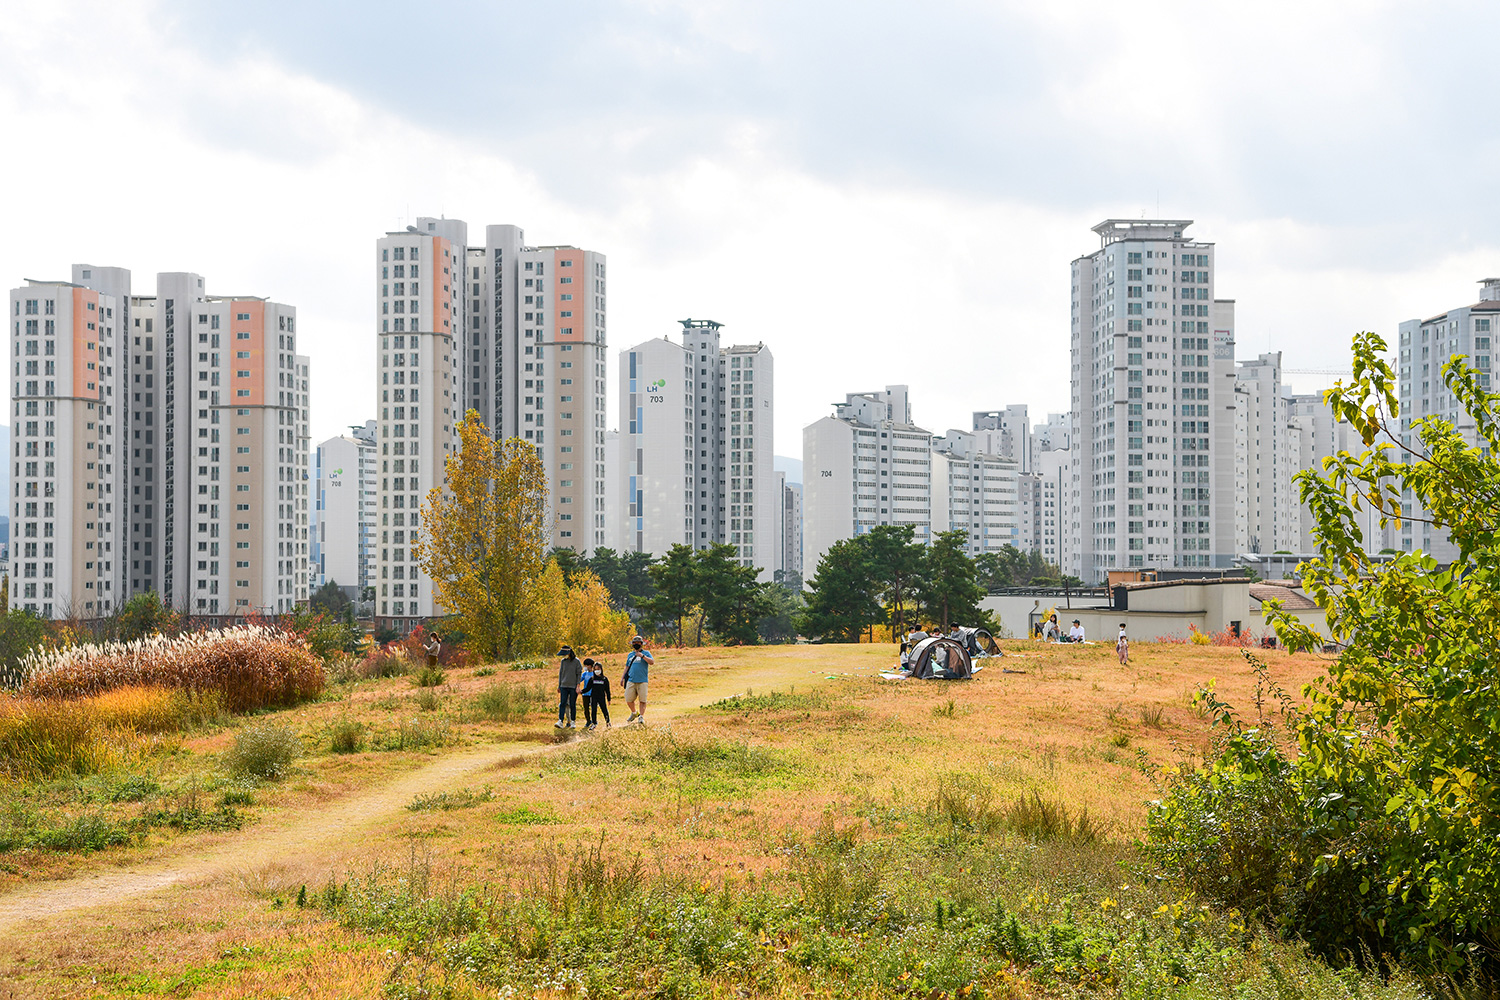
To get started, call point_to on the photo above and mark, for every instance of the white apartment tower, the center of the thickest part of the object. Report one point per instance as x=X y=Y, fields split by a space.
x=513 y=331
x=791 y=527
x=975 y=492
x=1268 y=516
x=1152 y=383
x=1425 y=345
x=204 y=442
x=68 y=505
x=347 y=510
x=696 y=447
x=866 y=465
x=1006 y=434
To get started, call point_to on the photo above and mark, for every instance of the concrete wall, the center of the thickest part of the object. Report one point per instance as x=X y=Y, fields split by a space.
x=1154 y=611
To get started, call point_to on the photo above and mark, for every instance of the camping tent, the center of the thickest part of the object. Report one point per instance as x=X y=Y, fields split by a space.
x=940 y=658
x=979 y=642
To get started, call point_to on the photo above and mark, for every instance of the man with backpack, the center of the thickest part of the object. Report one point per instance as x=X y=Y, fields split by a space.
x=637 y=664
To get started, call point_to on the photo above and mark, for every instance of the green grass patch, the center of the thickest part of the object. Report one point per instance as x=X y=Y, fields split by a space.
x=525 y=816
x=750 y=703
x=448 y=801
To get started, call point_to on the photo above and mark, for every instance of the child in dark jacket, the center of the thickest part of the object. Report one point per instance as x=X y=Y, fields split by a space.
x=595 y=694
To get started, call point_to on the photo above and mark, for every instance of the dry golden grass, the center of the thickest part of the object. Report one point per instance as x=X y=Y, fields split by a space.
x=843 y=747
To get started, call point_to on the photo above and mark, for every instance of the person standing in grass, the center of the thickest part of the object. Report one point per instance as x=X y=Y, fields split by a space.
x=637 y=664
x=569 y=675
x=434 y=647
x=1122 y=646
x=595 y=694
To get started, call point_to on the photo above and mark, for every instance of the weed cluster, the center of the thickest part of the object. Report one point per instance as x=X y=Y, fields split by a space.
x=448 y=801
x=46 y=737
x=850 y=919
x=970 y=803
x=662 y=748
x=420 y=733
x=508 y=702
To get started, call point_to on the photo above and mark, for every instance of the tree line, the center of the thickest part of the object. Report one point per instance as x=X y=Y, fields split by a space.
x=883 y=577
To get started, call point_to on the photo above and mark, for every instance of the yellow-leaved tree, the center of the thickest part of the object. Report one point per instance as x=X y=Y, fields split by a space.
x=578 y=614
x=483 y=538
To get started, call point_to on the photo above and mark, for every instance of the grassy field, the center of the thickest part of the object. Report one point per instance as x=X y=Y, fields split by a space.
x=788 y=824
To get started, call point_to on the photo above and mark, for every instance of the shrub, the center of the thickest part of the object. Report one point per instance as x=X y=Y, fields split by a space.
x=346 y=736
x=429 y=676
x=262 y=750
x=251 y=666
x=387 y=662
x=20 y=633
x=427 y=700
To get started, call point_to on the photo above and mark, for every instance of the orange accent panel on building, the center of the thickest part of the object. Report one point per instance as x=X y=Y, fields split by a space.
x=82 y=338
x=256 y=364
x=434 y=264
x=578 y=320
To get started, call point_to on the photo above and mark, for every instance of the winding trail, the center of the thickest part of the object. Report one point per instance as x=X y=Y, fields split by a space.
x=314 y=832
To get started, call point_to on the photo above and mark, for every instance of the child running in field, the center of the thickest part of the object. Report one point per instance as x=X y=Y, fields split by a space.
x=595 y=694
x=1122 y=646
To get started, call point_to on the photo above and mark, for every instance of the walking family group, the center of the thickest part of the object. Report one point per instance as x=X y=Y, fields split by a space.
x=586 y=681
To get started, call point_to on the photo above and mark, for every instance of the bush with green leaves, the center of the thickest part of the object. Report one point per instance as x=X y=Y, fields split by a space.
x=263 y=750
x=1375 y=827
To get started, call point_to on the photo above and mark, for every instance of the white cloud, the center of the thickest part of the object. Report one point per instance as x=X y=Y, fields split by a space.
x=133 y=141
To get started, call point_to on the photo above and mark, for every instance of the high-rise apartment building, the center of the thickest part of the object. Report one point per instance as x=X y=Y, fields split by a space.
x=1006 y=434
x=866 y=465
x=1424 y=346
x=976 y=492
x=1152 y=381
x=513 y=331
x=68 y=505
x=1039 y=504
x=1268 y=450
x=696 y=446
x=791 y=527
x=202 y=443
x=346 y=509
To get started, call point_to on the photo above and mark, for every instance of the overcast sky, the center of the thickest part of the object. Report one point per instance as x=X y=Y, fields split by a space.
x=881 y=192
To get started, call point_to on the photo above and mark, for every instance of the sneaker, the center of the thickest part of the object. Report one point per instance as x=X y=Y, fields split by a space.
x=570 y=725
x=632 y=718
x=558 y=724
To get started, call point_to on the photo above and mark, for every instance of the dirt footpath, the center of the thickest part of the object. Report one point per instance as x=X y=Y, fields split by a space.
x=321 y=833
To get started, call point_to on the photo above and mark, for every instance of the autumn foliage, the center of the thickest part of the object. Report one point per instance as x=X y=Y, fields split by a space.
x=250 y=666
x=482 y=538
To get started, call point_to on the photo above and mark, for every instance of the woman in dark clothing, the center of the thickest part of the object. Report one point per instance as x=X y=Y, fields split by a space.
x=569 y=674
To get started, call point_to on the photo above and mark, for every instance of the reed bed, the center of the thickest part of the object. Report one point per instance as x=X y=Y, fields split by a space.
x=250 y=666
